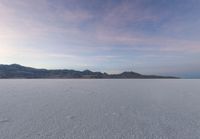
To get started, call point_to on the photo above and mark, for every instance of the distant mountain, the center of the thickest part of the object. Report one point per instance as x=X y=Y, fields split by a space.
x=18 y=71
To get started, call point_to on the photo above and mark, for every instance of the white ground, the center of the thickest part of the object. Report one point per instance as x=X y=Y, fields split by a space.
x=99 y=109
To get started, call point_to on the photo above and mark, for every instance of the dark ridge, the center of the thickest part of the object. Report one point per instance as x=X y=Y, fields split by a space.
x=18 y=71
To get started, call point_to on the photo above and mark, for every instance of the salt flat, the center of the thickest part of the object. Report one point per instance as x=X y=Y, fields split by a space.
x=99 y=109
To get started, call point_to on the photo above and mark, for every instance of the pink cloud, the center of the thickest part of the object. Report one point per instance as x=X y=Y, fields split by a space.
x=125 y=13
x=76 y=16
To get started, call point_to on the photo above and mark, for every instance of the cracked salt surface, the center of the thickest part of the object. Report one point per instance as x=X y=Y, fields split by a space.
x=99 y=109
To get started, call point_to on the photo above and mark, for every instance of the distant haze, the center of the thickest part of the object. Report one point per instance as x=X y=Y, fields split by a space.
x=146 y=36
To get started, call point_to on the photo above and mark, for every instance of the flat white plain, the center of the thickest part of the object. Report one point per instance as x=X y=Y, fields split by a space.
x=99 y=109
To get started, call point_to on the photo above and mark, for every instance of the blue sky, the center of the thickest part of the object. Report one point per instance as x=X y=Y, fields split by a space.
x=147 y=36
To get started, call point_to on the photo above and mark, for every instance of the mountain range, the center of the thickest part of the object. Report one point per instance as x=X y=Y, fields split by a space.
x=19 y=71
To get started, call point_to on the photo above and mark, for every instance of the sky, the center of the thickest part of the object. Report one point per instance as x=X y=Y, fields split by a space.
x=146 y=36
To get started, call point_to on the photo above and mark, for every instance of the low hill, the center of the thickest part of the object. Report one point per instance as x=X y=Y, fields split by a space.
x=18 y=71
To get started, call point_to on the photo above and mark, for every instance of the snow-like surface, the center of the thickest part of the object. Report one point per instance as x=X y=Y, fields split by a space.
x=99 y=109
